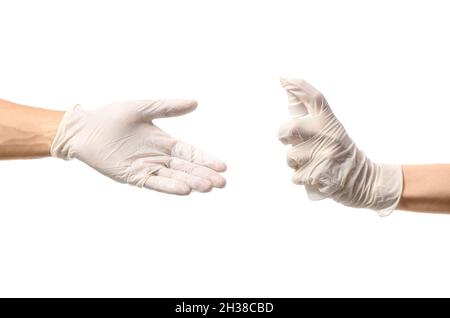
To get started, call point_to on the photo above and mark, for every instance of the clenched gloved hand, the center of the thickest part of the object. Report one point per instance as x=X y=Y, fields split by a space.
x=122 y=142
x=327 y=162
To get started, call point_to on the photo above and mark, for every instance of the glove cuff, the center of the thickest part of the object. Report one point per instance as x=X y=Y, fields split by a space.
x=68 y=127
x=388 y=188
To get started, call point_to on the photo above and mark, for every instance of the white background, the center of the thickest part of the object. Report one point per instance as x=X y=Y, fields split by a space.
x=384 y=67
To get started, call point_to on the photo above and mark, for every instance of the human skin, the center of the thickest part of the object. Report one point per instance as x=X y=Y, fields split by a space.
x=26 y=132
x=426 y=188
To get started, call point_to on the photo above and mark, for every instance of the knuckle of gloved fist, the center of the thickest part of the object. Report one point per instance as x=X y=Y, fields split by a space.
x=297 y=178
x=295 y=158
x=282 y=135
x=292 y=160
x=292 y=133
x=290 y=139
x=296 y=133
x=283 y=140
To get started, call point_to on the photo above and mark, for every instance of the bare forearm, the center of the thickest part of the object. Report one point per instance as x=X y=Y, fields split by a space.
x=26 y=132
x=426 y=188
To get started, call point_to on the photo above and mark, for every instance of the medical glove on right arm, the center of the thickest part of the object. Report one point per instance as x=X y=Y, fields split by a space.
x=326 y=160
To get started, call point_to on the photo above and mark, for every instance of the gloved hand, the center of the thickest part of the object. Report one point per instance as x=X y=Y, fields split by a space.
x=122 y=142
x=326 y=160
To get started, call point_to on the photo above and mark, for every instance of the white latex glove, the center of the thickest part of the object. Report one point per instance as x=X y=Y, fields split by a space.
x=122 y=142
x=327 y=161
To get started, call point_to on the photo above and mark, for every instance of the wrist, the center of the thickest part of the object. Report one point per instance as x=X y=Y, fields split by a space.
x=70 y=125
x=48 y=128
x=372 y=186
x=388 y=188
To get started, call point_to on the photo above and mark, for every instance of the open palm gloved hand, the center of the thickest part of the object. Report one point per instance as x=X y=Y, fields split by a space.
x=122 y=142
x=326 y=160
